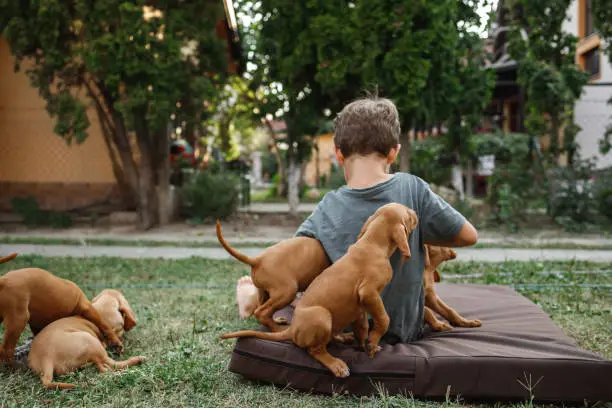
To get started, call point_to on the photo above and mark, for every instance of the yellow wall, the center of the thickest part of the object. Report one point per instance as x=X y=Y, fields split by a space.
x=326 y=151
x=29 y=150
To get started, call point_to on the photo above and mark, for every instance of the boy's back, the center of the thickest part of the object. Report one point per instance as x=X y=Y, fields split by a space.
x=337 y=221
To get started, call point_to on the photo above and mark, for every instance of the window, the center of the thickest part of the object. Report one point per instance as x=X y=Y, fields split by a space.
x=591 y=62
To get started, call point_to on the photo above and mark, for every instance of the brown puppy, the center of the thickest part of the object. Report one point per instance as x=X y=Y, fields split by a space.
x=72 y=342
x=434 y=256
x=280 y=272
x=345 y=291
x=37 y=297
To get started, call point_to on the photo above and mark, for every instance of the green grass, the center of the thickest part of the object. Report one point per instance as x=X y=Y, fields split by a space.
x=178 y=331
x=257 y=244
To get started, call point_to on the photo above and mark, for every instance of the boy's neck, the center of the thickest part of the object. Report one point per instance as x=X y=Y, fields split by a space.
x=365 y=171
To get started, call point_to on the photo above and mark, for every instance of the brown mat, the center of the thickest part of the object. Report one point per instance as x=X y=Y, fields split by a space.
x=517 y=342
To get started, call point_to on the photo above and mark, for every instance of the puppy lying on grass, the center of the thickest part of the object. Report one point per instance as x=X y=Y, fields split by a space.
x=73 y=342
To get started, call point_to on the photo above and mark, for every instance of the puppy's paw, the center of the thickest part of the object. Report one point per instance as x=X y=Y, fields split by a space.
x=281 y=320
x=138 y=360
x=339 y=368
x=470 y=323
x=345 y=338
x=372 y=349
x=441 y=327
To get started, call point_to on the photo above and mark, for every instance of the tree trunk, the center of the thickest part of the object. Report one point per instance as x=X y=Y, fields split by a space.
x=554 y=139
x=280 y=165
x=302 y=182
x=148 y=208
x=293 y=186
x=163 y=177
x=406 y=142
x=470 y=179
x=224 y=133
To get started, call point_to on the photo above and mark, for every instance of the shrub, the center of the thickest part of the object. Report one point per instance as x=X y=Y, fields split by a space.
x=33 y=215
x=517 y=183
x=572 y=196
x=428 y=160
x=603 y=193
x=211 y=195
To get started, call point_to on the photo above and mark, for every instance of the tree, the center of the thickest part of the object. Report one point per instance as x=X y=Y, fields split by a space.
x=602 y=19
x=547 y=71
x=137 y=65
x=422 y=55
x=286 y=65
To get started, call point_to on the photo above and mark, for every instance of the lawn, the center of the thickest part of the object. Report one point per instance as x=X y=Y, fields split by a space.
x=178 y=331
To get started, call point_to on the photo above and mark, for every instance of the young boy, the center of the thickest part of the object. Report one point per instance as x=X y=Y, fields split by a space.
x=367 y=142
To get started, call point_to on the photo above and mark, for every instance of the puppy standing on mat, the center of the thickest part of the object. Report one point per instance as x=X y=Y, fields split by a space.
x=434 y=256
x=347 y=290
x=279 y=273
x=37 y=297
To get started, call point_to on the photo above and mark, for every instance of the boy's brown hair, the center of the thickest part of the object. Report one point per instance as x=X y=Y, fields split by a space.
x=365 y=126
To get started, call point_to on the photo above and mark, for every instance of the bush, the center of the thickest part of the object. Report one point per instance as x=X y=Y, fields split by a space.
x=517 y=183
x=603 y=193
x=428 y=160
x=573 y=203
x=33 y=215
x=211 y=195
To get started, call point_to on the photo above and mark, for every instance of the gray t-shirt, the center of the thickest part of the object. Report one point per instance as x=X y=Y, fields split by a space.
x=338 y=218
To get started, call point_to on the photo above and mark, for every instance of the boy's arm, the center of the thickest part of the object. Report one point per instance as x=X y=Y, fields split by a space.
x=467 y=236
x=441 y=224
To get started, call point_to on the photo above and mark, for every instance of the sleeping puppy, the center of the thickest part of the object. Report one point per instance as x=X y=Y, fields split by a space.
x=72 y=342
x=434 y=256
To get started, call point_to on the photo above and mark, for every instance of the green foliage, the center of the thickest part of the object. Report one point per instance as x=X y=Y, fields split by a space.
x=545 y=54
x=211 y=196
x=602 y=20
x=137 y=67
x=572 y=199
x=426 y=161
x=34 y=216
x=517 y=184
x=603 y=193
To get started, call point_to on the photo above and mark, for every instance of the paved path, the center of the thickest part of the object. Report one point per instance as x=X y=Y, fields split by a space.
x=465 y=254
x=277 y=208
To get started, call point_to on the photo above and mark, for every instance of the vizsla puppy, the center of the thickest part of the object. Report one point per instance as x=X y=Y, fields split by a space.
x=280 y=272
x=72 y=342
x=37 y=297
x=347 y=290
x=434 y=256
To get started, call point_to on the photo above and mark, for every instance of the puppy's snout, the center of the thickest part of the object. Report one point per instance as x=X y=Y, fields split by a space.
x=453 y=254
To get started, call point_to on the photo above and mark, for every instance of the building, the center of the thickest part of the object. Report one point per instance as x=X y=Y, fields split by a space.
x=592 y=113
x=36 y=162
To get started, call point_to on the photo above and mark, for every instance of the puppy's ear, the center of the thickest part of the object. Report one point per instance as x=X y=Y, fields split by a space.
x=436 y=276
x=129 y=319
x=400 y=237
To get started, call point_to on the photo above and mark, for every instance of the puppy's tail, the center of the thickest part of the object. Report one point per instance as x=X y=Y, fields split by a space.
x=46 y=377
x=241 y=257
x=8 y=258
x=278 y=336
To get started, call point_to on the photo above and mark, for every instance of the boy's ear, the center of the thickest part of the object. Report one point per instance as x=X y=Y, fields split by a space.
x=393 y=154
x=339 y=155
